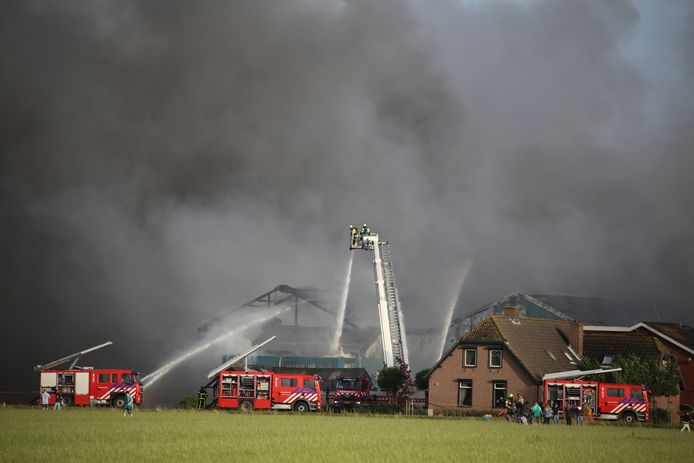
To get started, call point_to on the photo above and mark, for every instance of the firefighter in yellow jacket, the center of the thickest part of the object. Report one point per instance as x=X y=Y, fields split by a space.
x=202 y=398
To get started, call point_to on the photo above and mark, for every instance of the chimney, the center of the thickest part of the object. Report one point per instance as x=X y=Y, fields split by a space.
x=513 y=312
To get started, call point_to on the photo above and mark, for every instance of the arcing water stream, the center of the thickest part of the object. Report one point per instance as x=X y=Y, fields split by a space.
x=343 y=306
x=153 y=377
x=451 y=309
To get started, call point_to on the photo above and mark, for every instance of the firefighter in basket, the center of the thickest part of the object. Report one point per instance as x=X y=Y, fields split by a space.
x=354 y=236
x=364 y=232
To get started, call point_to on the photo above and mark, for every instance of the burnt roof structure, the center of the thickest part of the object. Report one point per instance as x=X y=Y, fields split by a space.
x=279 y=296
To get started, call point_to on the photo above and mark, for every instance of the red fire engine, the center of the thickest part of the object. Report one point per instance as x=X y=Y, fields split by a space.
x=86 y=385
x=246 y=390
x=628 y=402
x=351 y=392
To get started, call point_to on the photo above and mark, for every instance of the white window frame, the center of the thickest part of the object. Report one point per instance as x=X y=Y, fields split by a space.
x=465 y=362
x=461 y=387
x=501 y=358
x=495 y=388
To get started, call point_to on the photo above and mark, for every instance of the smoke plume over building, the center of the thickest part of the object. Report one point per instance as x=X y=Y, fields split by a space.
x=164 y=160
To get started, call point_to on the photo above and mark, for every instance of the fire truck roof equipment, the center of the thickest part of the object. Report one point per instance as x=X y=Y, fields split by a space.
x=577 y=373
x=239 y=357
x=74 y=357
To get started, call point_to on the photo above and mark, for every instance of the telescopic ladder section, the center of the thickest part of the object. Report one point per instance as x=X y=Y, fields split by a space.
x=389 y=311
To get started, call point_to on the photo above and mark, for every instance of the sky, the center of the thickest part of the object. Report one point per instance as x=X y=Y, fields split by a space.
x=165 y=160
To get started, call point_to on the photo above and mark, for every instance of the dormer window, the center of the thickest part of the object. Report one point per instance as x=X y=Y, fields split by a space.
x=607 y=360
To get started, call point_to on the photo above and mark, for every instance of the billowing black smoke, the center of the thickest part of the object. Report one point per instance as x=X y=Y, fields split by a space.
x=163 y=160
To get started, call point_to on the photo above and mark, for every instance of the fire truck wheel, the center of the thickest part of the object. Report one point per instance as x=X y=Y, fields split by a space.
x=67 y=400
x=301 y=407
x=118 y=402
x=629 y=417
x=246 y=406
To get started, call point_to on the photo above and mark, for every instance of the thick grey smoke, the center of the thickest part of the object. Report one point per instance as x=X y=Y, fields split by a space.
x=163 y=160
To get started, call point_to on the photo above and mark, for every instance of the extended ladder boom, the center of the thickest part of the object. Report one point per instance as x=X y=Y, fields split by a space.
x=389 y=310
x=243 y=356
x=74 y=357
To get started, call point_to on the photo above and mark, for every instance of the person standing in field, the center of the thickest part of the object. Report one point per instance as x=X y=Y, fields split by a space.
x=202 y=398
x=58 y=400
x=548 y=413
x=569 y=413
x=579 y=415
x=555 y=412
x=537 y=413
x=45 y=398
x=686 y=418
x=128 y=405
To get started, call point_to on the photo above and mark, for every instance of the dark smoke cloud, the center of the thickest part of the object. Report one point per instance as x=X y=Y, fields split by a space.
x=164 y=160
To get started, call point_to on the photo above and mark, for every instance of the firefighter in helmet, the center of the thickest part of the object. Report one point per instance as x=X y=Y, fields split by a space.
x=354 y=235
x=509 y=407
x=202 y=398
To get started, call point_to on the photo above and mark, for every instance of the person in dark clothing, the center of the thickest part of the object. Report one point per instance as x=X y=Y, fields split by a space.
x=58 y=399
x=569 y=413
x=555 y=412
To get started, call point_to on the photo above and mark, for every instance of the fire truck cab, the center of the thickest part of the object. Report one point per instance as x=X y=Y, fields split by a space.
x=248 y=390
x=92 y=387
x=628 y=402
x=351 y=392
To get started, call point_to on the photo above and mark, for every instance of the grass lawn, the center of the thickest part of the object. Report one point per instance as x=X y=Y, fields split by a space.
x=150 y=435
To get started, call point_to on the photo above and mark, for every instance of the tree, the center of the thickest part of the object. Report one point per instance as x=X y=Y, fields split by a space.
x=661 y=376
x=389 y=379
x=405 y=385
x=421 y=380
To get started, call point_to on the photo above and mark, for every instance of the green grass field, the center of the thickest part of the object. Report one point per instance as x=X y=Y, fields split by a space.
x=151 y=435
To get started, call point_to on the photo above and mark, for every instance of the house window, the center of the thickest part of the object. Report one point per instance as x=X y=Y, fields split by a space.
x=499 y=394
x=495 y=358
x=615 y=392
x=465 y=392
x=470 y=358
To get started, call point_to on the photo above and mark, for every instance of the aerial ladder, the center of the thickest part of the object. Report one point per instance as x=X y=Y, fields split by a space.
x=389 y=310
x=72 y=357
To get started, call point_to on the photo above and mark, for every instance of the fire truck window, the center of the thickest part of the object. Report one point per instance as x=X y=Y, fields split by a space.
x=68 y=380
x=309 y=384
x=127 y=378
x=114 y=378
x=103 y=377
x=465 y=392
x=637 y=394
x=615 y=392
x=288 y=382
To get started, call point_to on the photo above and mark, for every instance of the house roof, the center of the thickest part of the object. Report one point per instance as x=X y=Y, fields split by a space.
x=540 y=345
x=594 y=310
x=599 y=346
x=681 y=332
x=484 y=332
